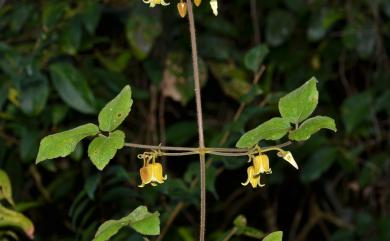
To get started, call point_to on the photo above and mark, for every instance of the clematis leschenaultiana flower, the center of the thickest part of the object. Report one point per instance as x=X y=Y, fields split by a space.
x=153 y=3
x=260 y=166
x=152 y=173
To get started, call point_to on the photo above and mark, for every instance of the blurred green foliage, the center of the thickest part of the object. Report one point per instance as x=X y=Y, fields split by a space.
x=61 y=61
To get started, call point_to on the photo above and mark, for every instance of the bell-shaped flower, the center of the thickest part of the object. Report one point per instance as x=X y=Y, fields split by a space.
x=261 y=164
x=152 y=173
x=182 y=9
x=153 y=3
x=197 y=2
x=253 y=179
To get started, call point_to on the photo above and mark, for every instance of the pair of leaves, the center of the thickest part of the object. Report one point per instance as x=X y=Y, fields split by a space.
x=140 y=220
x=294 y=108
x=103 y=148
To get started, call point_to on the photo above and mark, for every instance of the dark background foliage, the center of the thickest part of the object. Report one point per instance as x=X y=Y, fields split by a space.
x=61 y=61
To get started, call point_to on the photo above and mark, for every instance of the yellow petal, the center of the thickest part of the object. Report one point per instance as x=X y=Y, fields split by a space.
x=164 y=3
x=158 y=173
x=261 y=164
x=197 y=2
x=182 y=8
x=214 y=6
x=146 y=174
x=249 y=172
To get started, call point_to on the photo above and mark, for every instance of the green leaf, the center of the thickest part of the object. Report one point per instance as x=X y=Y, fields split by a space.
x=275 y=236
x=52 y=13
x=255 y=57
x=300 y=103
x=140 y=220
x=71 y=35
x=279 y=25
x=34 y=94
x=72 y=87
x=102 y=149
x=318 y=163
x=240 y=223
x=91 y=185
x=63 y=143
x=178 y=79
x=11 y=218
x=273 y=129
x=91 y=16
x=311 y=126
x=5 y=187
x=354 y=111
x=115 y=112
x=142 y=29
x=233 y=80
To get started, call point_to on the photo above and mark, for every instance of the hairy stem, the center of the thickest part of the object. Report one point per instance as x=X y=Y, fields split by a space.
x=199 y=116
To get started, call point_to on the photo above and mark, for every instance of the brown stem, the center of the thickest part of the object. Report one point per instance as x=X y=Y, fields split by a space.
x=175 y=212
x=199 y=112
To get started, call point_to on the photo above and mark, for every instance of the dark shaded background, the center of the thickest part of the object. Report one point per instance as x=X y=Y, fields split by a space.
x=341 y=190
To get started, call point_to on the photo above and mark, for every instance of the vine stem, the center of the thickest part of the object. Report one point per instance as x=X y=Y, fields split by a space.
x=199 y=113
x=207 y=150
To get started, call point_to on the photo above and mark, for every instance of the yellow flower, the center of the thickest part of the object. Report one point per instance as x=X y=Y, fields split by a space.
x=286 y=155
x=197 y=2
x=153 y=3
x=253 y=179
x=152 y=173
x=261 y=164
x=182 y=8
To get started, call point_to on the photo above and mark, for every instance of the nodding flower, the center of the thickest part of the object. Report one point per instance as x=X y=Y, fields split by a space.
x=153 y=3
x=152 y=171
x=253 y=179
x=260 y=165
x=182 y=8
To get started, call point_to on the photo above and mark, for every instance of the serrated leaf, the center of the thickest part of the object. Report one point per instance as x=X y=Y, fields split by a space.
x=273 y=129
x=311 y=126
x=300 y=103
x=11 y=218
x=5 y=187
x=102 y=149
x=63 y=143
x=140 y=220
x=275 y=236
x=115 y=112
x=255 y=57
